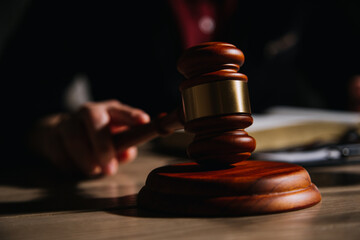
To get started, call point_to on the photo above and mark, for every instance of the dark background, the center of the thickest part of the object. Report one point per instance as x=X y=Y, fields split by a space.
x=296 y=54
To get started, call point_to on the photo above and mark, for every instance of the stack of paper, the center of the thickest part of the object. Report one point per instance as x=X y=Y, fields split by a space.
x=284 y=127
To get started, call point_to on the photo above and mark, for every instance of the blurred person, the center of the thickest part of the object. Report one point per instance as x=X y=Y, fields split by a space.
x=297 y=54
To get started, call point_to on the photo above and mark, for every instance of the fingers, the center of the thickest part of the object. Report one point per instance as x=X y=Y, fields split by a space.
x=76 y=145
x=97 y=126
x=87 y=136
x=128 y=155
x=122 y=114
x=122 y=157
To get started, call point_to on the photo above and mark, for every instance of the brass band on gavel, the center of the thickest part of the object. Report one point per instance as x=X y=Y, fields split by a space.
x=216 y=98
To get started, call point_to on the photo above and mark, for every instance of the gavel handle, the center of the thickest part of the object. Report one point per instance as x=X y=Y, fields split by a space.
x=164 y=125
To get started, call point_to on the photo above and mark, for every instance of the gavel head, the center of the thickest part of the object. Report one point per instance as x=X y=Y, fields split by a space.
x=216 y=104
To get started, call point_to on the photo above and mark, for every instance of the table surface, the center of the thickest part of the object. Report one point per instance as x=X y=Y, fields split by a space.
x=39 y=204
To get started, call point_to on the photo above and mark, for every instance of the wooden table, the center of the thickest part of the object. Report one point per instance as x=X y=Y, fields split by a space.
x=39 y=204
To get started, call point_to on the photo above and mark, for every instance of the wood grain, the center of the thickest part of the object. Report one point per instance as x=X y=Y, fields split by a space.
x=248 y=187
x=210 y=61
x=337 y=217
x=220 y=140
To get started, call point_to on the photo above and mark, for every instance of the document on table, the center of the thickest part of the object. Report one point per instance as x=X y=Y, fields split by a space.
x=282 y=128
x=287 y=134
x=288 y=127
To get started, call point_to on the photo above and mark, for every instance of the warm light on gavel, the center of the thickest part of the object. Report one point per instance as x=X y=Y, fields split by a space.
x=215 y=107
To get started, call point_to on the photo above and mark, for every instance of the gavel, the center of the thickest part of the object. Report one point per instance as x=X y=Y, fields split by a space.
x=221 y=182
x=215 y=107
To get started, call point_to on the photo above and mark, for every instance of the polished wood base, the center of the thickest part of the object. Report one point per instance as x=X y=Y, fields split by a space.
x=245 y=188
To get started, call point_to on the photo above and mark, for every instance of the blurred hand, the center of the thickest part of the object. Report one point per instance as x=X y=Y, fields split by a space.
x=83 y=140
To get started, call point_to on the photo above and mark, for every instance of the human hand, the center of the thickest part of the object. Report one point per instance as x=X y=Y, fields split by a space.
x=83 y=140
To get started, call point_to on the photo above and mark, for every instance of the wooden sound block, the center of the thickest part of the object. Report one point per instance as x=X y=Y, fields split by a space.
x=245 y=188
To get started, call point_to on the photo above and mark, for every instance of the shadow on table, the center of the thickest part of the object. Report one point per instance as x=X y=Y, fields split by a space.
x=321 y=179
x=55 y=192
x=334 y=179
x=44 y=190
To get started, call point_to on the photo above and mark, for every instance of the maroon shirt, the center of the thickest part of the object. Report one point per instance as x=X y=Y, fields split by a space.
x=201 y=20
